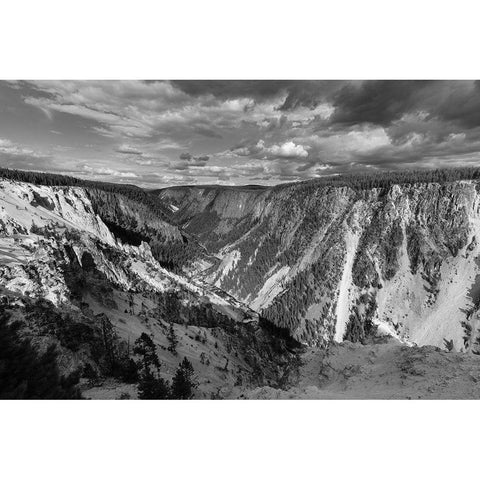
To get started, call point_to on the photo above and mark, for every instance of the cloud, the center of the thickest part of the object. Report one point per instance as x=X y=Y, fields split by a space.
x=135 y=109
x=102 y=171
x=188 y=160
x=377 y=102
x=461 y=105
x=280 y=130
x=244 y=150
x=128 y=108
x=128 y=150
x=287 y=149
x=196 y=161
x=290 y=94
x=206 y=132
x=13 y=155
x=231 y=89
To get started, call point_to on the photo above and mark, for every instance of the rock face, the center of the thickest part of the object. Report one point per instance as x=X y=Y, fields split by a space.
x=44 y=231
x=339 y=263
x=215 y=214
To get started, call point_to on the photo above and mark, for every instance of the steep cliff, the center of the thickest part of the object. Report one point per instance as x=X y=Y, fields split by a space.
x=214 y=214
x=342 y=261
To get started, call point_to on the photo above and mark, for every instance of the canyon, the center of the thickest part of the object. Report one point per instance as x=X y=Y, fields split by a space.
x=260 y=285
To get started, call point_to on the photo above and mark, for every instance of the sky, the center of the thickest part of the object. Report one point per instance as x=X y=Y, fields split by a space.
x=162 y=133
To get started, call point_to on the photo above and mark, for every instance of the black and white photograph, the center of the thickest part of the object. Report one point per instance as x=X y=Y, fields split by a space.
x=244 y=239
x=239 y=240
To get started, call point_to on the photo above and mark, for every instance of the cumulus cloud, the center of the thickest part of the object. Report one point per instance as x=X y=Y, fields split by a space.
x=288 y=150
x=285 y=150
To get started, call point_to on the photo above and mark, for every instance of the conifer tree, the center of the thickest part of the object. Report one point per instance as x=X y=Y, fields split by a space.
x=183 y=384
x=145 y=347
x=172 y=339
x=151 y=387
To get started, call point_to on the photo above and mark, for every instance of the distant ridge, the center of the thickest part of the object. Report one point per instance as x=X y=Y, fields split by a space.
x=356 y=181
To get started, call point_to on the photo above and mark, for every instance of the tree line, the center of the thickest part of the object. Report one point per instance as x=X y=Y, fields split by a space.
x=384 y=180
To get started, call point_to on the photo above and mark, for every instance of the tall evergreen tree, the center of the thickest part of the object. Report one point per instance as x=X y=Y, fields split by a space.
x=183 y=384
x=152 y=387
x=145 y=347
x=172 y=339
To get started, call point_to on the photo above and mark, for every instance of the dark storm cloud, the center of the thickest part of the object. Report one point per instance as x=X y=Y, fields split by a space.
x=226 y=89
x=299 y=93
x=461 y=106
x=309 y=93
x=377 y=102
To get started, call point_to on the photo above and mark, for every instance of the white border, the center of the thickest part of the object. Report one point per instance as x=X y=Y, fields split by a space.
x=305 y=39
x=248 y=39
x=238 y=440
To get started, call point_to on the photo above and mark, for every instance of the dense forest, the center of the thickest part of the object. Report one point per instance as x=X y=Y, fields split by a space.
x=384 y=180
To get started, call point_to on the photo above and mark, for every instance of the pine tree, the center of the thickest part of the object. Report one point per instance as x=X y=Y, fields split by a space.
x=145 y=347
x=448 y=344
x=151 y=387
x=109 y=342
x=183 y=384
x=172 y=339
